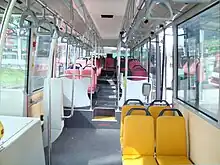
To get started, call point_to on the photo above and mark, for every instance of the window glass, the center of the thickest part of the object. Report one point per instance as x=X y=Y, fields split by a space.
x=198 y=61
x=61 y=57
x=1 y=16
x=153 y=67
x=14 y=64
x=13 y=69
x=137 y=53
x=41 y=62
x=144 y=56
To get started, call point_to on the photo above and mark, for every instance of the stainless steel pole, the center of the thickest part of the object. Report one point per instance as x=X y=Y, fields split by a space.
x=158 y=69
x=49 y=124
x=126 y=74
x=118 y=72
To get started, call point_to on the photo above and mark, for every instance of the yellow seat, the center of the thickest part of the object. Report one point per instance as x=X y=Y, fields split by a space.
x=171 y=146
x=173 y=160
x=142 y=160
x=138 y=140
x=124 y=111
x=156 y=109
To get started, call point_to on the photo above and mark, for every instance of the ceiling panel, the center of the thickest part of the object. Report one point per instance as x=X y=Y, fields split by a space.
x=108 y=28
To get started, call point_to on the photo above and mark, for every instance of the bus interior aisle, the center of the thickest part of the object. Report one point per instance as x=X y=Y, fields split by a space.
x=87 y=146
x=109 y=82
x=91 y=136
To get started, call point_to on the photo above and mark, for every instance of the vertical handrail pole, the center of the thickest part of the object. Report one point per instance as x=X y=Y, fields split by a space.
x=126 y=73
x=5 y=22
x=118 y=71
x=49 y=124
x=149 y=59
x=163 y=65
x=158 y=69
x=91 y=82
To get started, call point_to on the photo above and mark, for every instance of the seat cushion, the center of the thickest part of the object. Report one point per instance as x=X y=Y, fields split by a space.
x=173 y=160
x=143 y=160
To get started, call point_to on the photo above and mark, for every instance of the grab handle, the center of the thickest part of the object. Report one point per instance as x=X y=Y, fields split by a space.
x=138 y=109
x=171 y=109
x=50 y=29
x=56 y=29
x=166 y=4
x=133 y=100
x=24 y=16
x=160 y=101
x=45 y=22
x=65 y=36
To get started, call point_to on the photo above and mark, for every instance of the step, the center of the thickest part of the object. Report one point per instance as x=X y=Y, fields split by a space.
x=107 y=105
x=106 y=101
x=103 y=114
x=106 y=79
x=107 y=97
x=105 y=94
x=108 y=86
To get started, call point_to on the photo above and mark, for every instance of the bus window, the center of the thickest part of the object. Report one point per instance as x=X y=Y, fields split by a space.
x=61 y=58
x=41 y=62
x=13 y=70
x=200 y=39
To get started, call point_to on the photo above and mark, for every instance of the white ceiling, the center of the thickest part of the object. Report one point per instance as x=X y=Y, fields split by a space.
x=108 y=28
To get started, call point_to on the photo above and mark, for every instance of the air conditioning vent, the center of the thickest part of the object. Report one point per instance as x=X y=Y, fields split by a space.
x=106 y=16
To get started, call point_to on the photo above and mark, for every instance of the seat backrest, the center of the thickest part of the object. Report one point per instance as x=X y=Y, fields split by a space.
x=171 y=136
x=132 y=63
x=155 y=108
x=109 y=63
x=87 y=72
x=139 y=72
x=83 y=62
x=138 y=135
x=126 y=108
x=70 y=72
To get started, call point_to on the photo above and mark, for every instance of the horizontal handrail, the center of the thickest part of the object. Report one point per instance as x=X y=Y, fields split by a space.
x=64 y=75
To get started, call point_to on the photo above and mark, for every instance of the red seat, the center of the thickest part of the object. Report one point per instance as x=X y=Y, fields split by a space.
x=88 y=71
x=98 y=66
x=109 y=64
x=70 y=72
x=133 y=63
x=82 y=62
x=139 y=73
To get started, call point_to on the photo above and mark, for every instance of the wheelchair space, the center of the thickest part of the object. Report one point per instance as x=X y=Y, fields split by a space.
x=87 y=147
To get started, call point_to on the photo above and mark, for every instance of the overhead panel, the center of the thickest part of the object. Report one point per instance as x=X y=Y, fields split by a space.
x=113 y=11
x=63 y=9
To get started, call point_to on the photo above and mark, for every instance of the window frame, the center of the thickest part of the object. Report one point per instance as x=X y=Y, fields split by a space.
x=193 y=12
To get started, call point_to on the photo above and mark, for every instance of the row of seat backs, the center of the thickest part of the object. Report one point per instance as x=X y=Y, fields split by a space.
x=153 y=108
x=139 y=137
x=82 y=63
x=136 y=70
x=86 y=72
x=85 y=68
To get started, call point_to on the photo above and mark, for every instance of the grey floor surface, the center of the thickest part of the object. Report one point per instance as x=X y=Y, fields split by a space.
x=84 y=146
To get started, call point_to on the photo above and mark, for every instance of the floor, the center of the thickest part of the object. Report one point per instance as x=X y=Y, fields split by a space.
x=84 y=146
